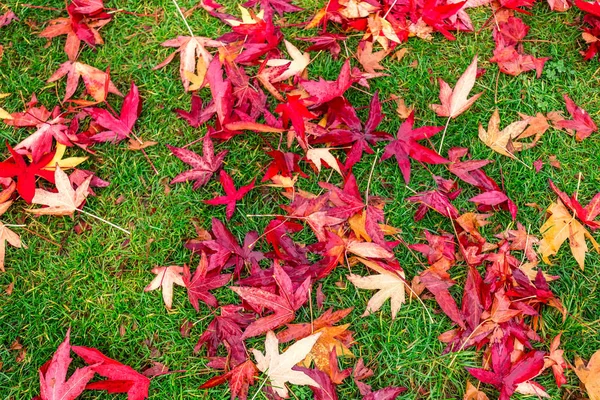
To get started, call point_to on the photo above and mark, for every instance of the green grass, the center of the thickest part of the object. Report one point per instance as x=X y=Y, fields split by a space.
x=94 y=282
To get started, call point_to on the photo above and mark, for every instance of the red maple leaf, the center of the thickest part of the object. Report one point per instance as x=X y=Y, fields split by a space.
x=582 y=123
x=589 y=7
x=591 y=33
x=16 y=167
x=284 y=164
x=203 y=167
x=199 y=285
x=406 y=146
x=355 y=134
x=197 y=115
x=54 y=373
x=585 y=214
x=435 y=200
x=295 y=110
x=326 y=41
x=240 y=379
x=232 y=195
x=505 y=376
x=324 y=91
x=121 y=378
x=82 y=25
x=281 y=6
x=226 y=329
x=283 y=305
x=118 y=128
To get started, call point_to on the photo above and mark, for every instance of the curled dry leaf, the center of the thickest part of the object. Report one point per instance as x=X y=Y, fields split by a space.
x=501 y=141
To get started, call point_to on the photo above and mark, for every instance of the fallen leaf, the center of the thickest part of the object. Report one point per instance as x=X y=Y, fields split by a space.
x=66 y=201
x=501 y=140
x=390 y=285
x=278 y=367
x=562 y=226
x=589 y=374
x=166 y=277
x=454 y=101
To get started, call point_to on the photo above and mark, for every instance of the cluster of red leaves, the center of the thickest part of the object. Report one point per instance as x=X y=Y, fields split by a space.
x=120 y=378
x=591 y=32
x=500 y=309
x=76 y=122
x=508 y=54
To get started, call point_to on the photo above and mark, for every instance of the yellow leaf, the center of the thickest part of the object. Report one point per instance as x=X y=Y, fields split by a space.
x=590 y=375
x=562 y=226
x=66 y=163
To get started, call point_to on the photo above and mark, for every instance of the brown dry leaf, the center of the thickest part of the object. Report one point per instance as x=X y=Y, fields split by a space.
x=66 y=201
x=390 y=285
x=501 y=141
x=553 y=161
x=562 y=226
x=538 y=125
x=136 y=145
x=399 y=55
x=166 y=277
x=9 y=289
x=328 y=341
x=590 y=374
x=402 y=109
x=472 y=393
x=589 y=38
x=370 y=61
x=6 y=235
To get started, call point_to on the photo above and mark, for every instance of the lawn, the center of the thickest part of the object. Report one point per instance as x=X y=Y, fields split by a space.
x=93 y=282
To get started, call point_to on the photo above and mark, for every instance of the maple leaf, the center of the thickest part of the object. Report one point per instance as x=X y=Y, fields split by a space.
x=118 y=128
x=501 y=141
x=507 y=376
x=582 y=123
x=166 y=277
x=390 y=285
x=283 y=164
x=53 y=374
x=329 y=341
x=406 y=146
x=80 y=26
x=472 y=393
x=226 y=329
x=196 y=116
x=190 y=49
x=232 y=195
x=589 y=7
x=7 y=235
x=326 y=388
x=513 y=62
x=318 y=156
x=240 y=378
x=199 y=285
x=324 y=91
x=560 y=226
x=295 y=68
x=66 y=201
x=25 y=174
x=454 y=101
x=7 y=18
x=283 y=305
x=557 y=362
x=203 y=167
x=295 y=110
x=589 y=374
x=97 y=82
x=326 y=41
x=370 y=61
x=121 y=378
x=585 y=214
x=278 y=367
x=281 y=6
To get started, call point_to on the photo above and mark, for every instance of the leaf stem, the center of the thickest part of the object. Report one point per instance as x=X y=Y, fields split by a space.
x=183 y=17
x=444 y=134
x=103 y=220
